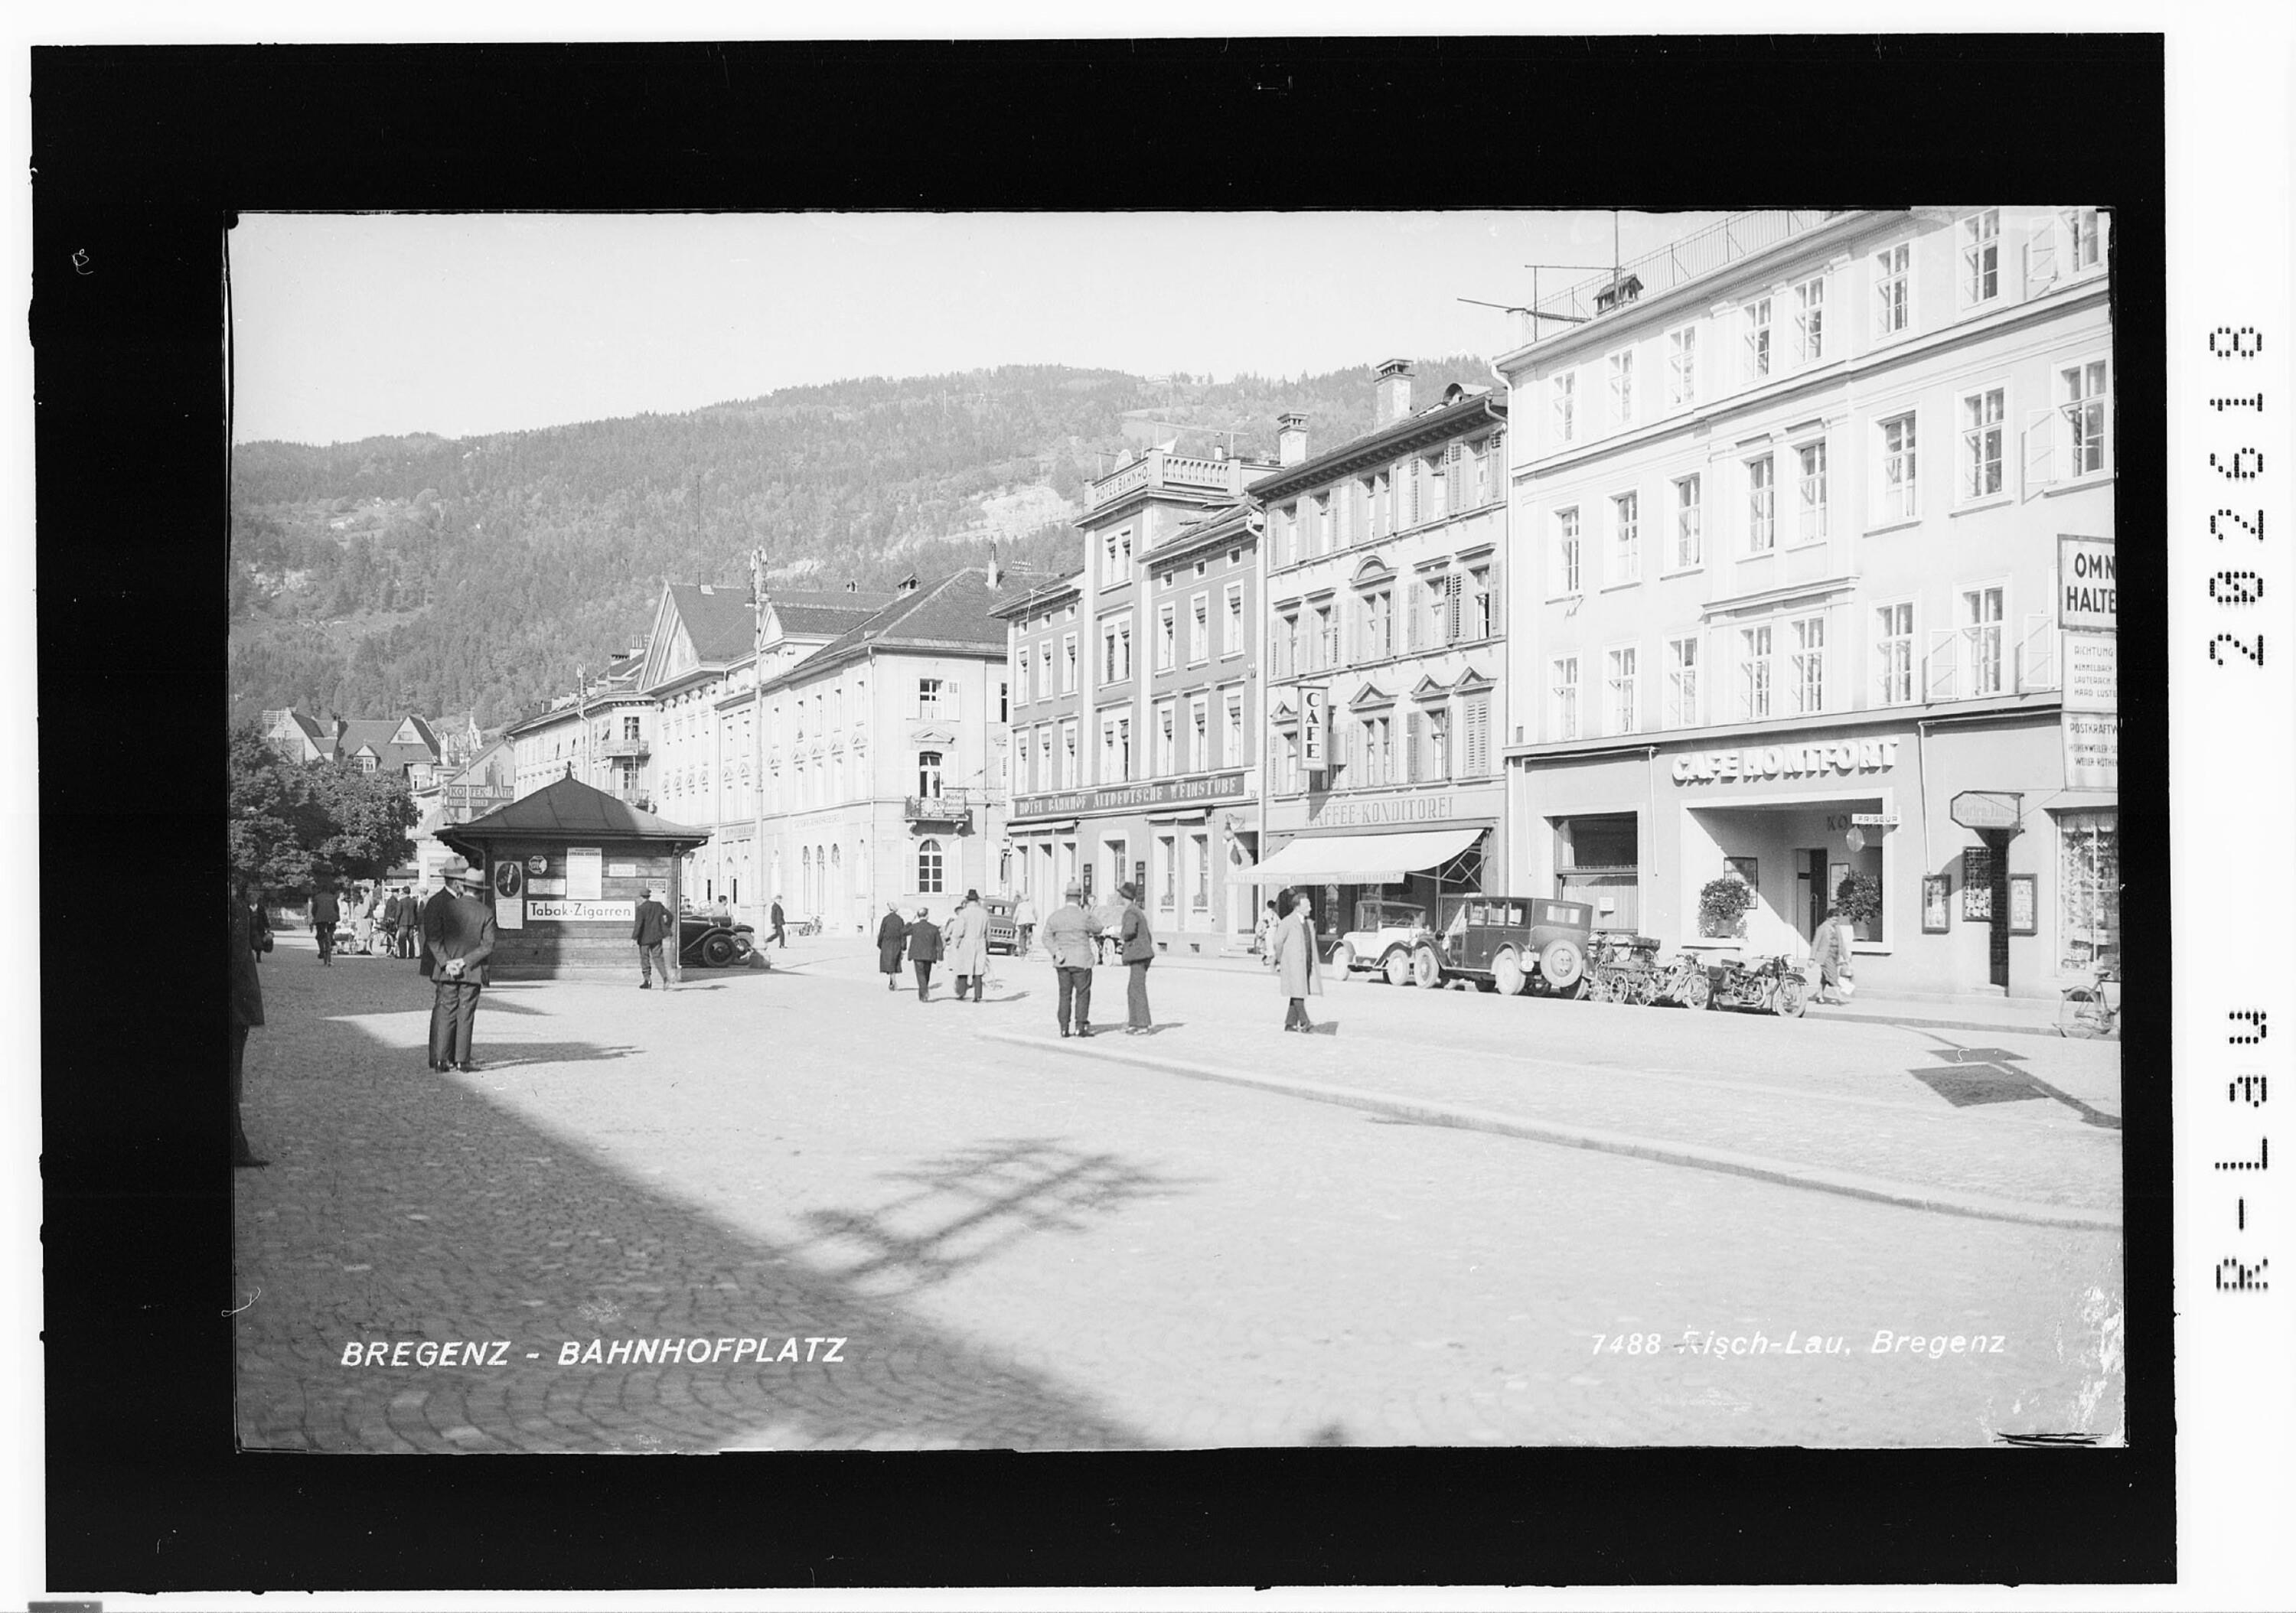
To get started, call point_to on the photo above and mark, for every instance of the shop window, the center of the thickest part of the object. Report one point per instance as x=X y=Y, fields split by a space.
x=2088 y=886
x=1597 y=862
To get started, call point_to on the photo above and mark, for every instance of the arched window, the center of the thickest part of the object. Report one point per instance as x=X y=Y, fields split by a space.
x=929 y=772
x=804 y=862
x=928 y=868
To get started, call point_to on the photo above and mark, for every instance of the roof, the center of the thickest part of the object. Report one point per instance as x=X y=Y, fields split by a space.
x=720 y=621
x=823 y=613
x=374 y=733
x=572 y=810
x=952 y=616
x=1450 y=418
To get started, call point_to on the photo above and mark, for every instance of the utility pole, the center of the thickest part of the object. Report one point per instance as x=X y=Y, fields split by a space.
x=582 y=718
x=757 y=728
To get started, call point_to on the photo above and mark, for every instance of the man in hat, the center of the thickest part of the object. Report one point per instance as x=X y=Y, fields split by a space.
x=965 y=943
x=458 y=937
x=1072 y=936
x=651 y=929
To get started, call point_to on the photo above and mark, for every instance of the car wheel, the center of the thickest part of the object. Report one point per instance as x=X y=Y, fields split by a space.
x=1342 y=960
x=1563 y=964
x=718 y=951
x=1426 y=968
x=1792 y=999
x=1398 y=966
x=1507 y=972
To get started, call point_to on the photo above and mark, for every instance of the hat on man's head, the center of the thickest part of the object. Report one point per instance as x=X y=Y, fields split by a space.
x=457 y=871
x=1128 y=891
x=972 y=896
x=1075 y=890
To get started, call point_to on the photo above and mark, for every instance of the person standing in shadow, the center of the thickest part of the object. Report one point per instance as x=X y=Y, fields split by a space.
x=458 y=937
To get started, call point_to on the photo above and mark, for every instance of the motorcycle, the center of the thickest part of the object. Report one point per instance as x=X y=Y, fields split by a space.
x=1766 y=985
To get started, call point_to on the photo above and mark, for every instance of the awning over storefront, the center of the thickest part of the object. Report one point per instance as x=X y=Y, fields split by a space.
x=1362 y=859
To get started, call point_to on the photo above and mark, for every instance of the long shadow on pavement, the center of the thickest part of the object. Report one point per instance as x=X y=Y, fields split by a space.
x=403 y=1206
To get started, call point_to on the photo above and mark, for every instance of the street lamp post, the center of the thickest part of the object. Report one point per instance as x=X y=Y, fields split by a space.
x=758 y=728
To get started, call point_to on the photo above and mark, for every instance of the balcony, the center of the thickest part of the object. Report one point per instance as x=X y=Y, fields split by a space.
x=624 y=749
x=1178 y=473
x=949 y=807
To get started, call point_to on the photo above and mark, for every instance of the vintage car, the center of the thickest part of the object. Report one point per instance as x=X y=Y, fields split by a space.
x=1003 y=930
x=710 y=941
x=1505 y=943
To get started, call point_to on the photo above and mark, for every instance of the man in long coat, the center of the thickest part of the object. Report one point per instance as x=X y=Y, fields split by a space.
x=458 y=937
x=892 y=940
x=1292 y=954
x=964 y=940
x=1072 y=937
x=651 y=930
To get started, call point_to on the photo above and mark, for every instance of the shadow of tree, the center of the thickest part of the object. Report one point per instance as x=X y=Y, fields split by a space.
x=973 y=1205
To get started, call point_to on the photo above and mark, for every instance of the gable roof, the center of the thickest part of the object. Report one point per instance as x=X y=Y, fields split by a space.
x=952 y=616
x=375 y=733
x=720 y=621
x=823 y=613
x=570 y=808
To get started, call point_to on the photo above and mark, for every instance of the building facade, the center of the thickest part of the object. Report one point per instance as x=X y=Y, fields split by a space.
x=1386 y=574
x=1135 y=748
x=1788 y=534
x=600 y=734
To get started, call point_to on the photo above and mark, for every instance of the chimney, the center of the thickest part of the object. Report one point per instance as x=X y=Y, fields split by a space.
x=993 y=575
x=1290 y=439
x=1391 y=393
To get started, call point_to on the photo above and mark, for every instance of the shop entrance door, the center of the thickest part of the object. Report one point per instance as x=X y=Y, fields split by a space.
x=1810 y=875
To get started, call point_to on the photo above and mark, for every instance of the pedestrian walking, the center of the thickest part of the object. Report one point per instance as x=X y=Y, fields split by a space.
x=892 y=941
x=389 y=930
x=326 y=912
x=1024 y=921
x=1829 y=950
x=1072 y=938
x=1137 y=947
x=925 y=951
x=964 y=944
x=1269 y=920
x=651 y=930
x=780 y=935
x=458 y=937
x=1292 y=951
x=245 y=984
x=410 y=922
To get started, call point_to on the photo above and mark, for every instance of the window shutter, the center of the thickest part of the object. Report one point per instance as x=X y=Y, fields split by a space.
x=2039 y=441
x=1937 y=679
x=1451 y=594
x=1412 y=725
x=1477 y=719
x=1414 y=630
x=2041 y=259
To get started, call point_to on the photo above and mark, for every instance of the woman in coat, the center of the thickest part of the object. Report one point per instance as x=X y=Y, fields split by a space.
x=892 y=940
x=1291 y=953
x=1829 y=950
x=965 y=945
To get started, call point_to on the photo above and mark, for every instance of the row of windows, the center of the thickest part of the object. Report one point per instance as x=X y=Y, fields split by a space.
x=1428 y=743
x=1437 y=608
x=1210 y=731
x=1786 y=668
x=1424 y=487
x=1787 y=329
x=1786 y=493
x=1055 y=670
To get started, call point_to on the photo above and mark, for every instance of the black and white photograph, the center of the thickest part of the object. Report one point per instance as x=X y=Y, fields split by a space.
x=894 y=831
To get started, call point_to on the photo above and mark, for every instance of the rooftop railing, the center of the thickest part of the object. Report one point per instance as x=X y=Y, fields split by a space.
x=1679 y=262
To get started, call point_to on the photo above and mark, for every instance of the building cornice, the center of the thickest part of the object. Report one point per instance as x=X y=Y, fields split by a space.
x=1435 y=425
x=1780 y=730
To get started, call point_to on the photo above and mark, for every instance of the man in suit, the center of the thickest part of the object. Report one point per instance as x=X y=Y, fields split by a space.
x=458 y=937
x=651 y=930
x=925 y=951
x=778 y=934
x=393 y=911
x=1072 y=937
x=326 y=912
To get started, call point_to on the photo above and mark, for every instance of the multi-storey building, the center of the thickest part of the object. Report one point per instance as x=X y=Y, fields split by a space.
x=1788 y=522
x=1135 y=717
x=601 y=734
x=881 y=752
x=1386 y=567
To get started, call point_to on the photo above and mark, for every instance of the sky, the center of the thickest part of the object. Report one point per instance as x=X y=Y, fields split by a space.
x=347 y=326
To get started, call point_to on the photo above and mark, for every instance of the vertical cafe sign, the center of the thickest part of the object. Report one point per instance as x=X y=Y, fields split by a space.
x=2088 y=620
x=1315 y=714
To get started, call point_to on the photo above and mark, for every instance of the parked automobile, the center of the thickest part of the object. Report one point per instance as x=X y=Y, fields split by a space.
x=1003 y=929
x=1507 y=943
x=707 y=940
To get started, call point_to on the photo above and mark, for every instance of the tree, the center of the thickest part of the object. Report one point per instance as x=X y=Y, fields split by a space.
x=274 y=817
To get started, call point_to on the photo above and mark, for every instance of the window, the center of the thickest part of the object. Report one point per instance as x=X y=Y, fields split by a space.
x=1165 y=872
x=1566 y=407
x=1232 y=732
x=1757 y=341
x=1478 y=471
x=1761 y=505
x=1232 y=623
x=928 y=868
x=1620 y=683
x=1199 y=628
x=1324 y=543
x=929 y=772
x=1566 y=552
x=1166 y=634
x=1893 y=653
x=1068 y=664
x=1622 y=387
x=1165 y=718
x=1200 y=735
x=1003 y=701
x=1808 y=663
x=1373 y=738
x=1894 y=305
x=2084 y=245
x=1475 y=735
x=1980 y=257
x=1563 y=699
x=1981 y=432
x=1327 y=636
x=1020 y=674
x=629 y=731
x=1439 y=742
x=1809 y=501
x=1900 y=469
x=1287 y=645
x=1279 y=536
x=1981 y=632
x=1753 y=673
x=1071 y=763
x=2088 y=884
x=1115 y=749
x=1682 y=368
x=1689 y=521
x=2083 y=395
x=1810 y=321
x=935 y=698
x=1682 y=683
x=1287 y=763
x=1044 y=758
x=1200 y=882
x=1625 y=538
x=1375 y=636
x=1479 y=624
x=1045 y=670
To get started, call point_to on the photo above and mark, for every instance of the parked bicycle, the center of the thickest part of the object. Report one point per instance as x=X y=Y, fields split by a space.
x=2093 y=1008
